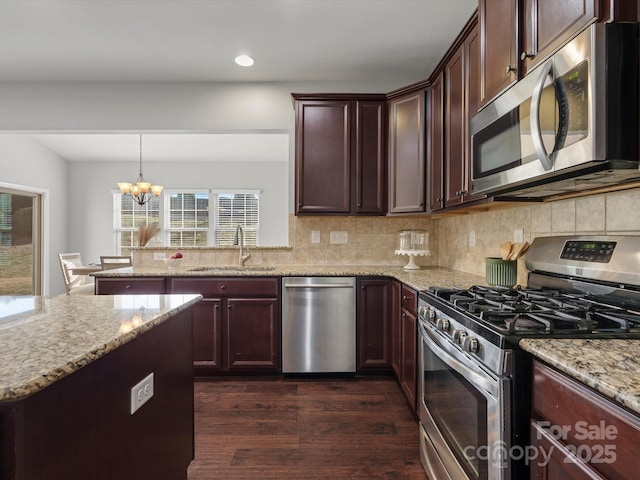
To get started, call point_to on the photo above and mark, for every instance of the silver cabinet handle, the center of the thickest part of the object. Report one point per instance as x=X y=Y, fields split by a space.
x=320 y=285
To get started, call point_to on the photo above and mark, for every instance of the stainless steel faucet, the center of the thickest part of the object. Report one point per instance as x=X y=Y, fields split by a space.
x=239 y=240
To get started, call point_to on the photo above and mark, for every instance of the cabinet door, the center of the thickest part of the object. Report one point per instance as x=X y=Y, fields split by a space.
x=554 y=460
x=472 y=88
x=207 y=340
x=455 y=119
x=253 y=334
x=435 y=156
x=406 y=154
x=408 y=372
x=549 y=24
x=396 y=325
x=374 y=325
x=499 y=40
x=370 y=158
x=323 y=156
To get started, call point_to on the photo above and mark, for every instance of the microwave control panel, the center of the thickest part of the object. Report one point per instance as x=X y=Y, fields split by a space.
x=597 y=251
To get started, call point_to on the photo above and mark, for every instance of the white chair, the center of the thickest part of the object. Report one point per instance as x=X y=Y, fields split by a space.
x=75 y=284
x=110 y=262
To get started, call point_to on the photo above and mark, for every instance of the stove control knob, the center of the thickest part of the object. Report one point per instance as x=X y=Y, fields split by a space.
x=470 y=344
x=423 y=311
x=458 y=336
x=443 y=324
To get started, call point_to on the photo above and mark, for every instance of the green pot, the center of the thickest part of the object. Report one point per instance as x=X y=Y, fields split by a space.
x=503 y=273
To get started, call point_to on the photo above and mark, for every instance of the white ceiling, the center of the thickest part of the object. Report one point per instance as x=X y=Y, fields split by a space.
x=398 y=42
x=196 y=40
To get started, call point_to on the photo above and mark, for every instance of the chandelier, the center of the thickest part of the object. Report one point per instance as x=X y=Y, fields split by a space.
x=141 y=191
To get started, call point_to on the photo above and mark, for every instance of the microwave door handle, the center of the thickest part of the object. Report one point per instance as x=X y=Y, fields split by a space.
x=536 y=130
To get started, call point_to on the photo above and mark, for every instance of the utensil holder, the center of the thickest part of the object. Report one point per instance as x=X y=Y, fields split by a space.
x=503 y=273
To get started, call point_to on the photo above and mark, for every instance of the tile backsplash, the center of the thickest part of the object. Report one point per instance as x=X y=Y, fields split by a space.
x=610 y=214
x=373 y=240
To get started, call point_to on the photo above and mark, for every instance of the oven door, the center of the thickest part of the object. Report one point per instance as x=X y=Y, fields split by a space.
x=464 y=413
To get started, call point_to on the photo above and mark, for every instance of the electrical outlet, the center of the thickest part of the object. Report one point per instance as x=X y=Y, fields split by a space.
x=159 y=256
x=338 y=237
x=315 y=236
x=472 y=238
x=141 y=393
x=518 y=235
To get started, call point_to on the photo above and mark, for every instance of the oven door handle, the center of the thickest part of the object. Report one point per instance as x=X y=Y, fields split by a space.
x=447 y=356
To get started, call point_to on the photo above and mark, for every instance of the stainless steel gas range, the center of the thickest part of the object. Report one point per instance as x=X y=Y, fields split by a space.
x=475 y=382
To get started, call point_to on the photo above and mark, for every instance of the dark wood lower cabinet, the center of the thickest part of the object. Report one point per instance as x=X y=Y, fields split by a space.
x=373 y=325
x=207 y=336
x=236 y=326
x=579 y=434
x=408 y=377
x=81 y=428
x=252 y=334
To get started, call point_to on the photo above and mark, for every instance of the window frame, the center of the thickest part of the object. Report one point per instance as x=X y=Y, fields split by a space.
x=247 y=229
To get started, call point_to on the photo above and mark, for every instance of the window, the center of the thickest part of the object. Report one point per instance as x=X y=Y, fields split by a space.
x=233 y=208
x=128 y=216
x=186 y=218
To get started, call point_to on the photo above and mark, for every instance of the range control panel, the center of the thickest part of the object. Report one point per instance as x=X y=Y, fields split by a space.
x=588 y=251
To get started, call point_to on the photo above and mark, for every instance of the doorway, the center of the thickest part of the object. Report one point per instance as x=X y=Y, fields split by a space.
x=20 y=242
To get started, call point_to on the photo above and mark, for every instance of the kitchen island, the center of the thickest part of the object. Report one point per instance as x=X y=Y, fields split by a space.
x=69 y=367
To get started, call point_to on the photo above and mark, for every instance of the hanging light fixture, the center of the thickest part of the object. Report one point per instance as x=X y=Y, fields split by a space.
x=141 y=191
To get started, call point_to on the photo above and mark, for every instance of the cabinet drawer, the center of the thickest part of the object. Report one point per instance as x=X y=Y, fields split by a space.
x=216 y=287
x=595 y=427
x=409 y=300
x=120 y=286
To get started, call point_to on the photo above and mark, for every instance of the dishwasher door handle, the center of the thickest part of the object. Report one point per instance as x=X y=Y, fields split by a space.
x=320 y=285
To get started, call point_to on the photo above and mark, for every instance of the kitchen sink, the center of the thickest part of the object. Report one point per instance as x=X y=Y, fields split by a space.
x=233 y=268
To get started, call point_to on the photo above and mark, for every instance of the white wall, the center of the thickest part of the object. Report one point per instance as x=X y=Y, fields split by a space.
x=93 y=232
x=25 y=162
x=139 y=108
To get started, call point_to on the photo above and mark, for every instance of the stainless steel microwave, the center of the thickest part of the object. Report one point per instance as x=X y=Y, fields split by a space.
x=571 y=124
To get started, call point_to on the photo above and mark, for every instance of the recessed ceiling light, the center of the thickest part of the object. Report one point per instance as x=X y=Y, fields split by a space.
x=244 y=60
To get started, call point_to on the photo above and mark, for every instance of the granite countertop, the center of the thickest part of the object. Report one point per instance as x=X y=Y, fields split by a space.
x=45 y=339
x=418 y=279
x=610 y=366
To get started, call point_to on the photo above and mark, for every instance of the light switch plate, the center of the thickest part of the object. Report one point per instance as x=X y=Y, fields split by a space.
x=315 y=236
x=472 y=238
x=338 y=237
x=141 y=393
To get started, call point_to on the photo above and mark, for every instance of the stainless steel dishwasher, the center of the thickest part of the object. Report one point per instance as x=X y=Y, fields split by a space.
x=319 y=325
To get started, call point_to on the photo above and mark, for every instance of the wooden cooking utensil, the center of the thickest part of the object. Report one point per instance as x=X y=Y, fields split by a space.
x=524 y=249
x=505 y=250
x=515 y=248
x=519 y=250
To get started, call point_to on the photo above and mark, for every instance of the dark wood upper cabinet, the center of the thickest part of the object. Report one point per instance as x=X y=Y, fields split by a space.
x=461 y=104
x=499 y=39
x=371 y=165
x=406 y=153
x=454 y=114
x=435 y=143
x=340 y=154
x=547 y=25
x=323 y=156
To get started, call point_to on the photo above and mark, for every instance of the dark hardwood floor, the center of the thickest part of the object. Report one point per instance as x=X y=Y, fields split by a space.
x=274 y=428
